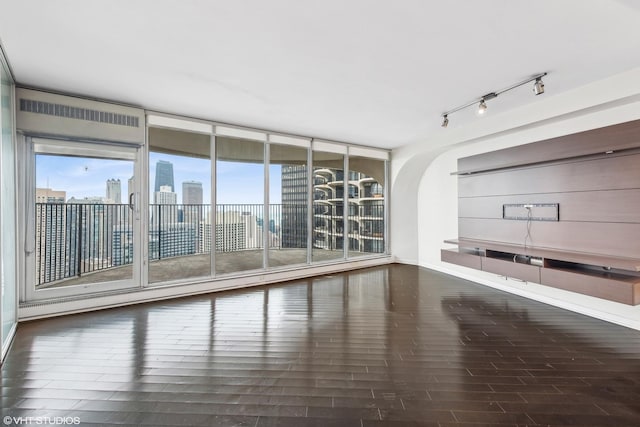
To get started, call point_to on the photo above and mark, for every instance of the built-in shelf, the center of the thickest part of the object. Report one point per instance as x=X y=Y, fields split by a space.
x=629 y=264
x=603 y=141
x=612 y=278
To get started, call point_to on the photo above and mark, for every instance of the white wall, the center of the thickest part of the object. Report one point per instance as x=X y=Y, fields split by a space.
x=422 y=179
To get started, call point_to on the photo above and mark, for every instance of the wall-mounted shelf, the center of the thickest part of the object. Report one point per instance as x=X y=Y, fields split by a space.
x=612 y=278
x=606 y=140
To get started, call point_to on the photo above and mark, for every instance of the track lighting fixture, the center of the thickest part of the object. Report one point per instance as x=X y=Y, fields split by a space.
x=482 y=107
x=538 y=89
x=538 y=86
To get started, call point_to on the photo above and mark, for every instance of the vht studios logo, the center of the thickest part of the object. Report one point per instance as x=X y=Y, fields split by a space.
x=41 y=420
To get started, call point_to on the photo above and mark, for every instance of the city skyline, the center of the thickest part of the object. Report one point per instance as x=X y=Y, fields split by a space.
x=92 y=233
x=82 y=177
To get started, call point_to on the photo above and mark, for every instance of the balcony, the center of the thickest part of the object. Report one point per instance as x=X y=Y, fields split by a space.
x=89 y=243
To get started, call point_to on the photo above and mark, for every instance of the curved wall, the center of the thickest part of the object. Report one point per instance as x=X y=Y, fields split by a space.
x=422 y=179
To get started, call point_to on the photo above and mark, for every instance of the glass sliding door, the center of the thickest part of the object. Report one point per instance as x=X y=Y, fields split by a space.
x=366 y=206
x=240 y=216
x=8 y=276
x=288 y=211
x=180 y=231
x=86 y=218
x=328 y=206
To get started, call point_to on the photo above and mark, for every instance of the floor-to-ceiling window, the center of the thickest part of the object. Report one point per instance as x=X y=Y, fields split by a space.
x=242 y=224
x=84 y=226
x=288 y=204
x=8 y=276
x=366 y=206
x=180 y=215
x=328 y=202
x=201 y=202
x=85 y=231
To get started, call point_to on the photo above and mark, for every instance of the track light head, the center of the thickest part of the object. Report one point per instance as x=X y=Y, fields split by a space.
x=538 y=86
x=445 y=121
x=482 y=107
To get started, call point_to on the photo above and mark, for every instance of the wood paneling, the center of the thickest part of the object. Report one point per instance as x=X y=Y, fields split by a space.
x=617 y=137
x=598 y=195
x=529 y=273
x=611 y=172
x=595 y=206
x=614 y=239
x=614 y=290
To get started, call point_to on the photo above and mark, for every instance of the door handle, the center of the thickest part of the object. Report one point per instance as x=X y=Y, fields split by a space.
x=131 y=200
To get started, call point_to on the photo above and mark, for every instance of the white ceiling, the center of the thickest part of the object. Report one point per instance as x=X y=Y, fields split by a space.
x=370 y=72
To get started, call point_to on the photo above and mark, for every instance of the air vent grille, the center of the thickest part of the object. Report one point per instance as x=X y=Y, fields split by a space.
x=78 y=113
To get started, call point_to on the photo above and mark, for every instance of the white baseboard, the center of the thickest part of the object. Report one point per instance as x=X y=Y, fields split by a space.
x=609 y=311
x=38 y=310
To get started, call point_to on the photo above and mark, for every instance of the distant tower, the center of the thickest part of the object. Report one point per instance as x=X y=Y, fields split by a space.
x=165 y=196
x=51 y=234
x=294 y=206
x=114 y=191
x=164 y=175
x=191 y=193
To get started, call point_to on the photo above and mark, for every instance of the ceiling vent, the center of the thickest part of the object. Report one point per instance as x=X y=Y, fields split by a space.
x=46 y=114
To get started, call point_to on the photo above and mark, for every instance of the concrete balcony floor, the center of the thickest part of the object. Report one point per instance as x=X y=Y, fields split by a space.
x=199 y=265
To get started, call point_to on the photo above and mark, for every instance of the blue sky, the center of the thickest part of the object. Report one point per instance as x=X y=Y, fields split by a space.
x=85 y=177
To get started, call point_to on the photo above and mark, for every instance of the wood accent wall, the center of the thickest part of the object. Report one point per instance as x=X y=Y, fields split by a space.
x=598 y=197
x=594 y=246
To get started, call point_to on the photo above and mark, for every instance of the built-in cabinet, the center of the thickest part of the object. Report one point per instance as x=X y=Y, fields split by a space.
x=562 y=212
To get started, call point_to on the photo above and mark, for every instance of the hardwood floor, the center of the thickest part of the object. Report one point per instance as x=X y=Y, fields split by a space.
x=389 y=346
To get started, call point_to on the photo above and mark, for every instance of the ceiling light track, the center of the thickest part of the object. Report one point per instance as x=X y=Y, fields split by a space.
x=538 y=89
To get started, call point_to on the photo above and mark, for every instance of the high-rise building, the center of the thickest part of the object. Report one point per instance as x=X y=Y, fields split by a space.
x=169 y=236
x=193 y=210
x=50 y=233
x=294 y=206
x=171 y=239
x=90 y=228
x=164 y=175
x=191 y=193
x=365 y=211
x=165 y=196
x=114 y=191
x=204 y=237
x=165 y=210
x=237 y=231
x=47 y=195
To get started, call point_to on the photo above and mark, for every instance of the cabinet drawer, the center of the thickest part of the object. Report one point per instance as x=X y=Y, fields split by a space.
x=626 y=292
x=527 y=272
x=454 y=256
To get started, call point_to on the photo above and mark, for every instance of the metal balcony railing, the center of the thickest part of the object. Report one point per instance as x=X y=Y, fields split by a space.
x=72 y=239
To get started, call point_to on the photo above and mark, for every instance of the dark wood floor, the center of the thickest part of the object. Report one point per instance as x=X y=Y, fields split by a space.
x=388 y=346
